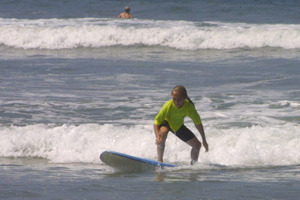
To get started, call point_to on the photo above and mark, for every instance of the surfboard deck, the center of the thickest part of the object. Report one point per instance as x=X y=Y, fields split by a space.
x=126 y=162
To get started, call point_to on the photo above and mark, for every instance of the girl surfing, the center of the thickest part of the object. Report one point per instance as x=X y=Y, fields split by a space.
x=171 y=118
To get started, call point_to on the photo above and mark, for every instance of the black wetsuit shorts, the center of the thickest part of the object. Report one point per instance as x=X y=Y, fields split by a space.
x=182 y=133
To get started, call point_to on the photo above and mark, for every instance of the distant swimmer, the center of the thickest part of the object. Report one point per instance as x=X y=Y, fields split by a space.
x=126 y=14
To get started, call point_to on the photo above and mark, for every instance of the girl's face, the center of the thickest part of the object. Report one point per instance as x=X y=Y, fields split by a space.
x=178 y=99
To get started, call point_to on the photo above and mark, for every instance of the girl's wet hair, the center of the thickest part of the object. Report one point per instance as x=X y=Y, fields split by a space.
x=182 y=92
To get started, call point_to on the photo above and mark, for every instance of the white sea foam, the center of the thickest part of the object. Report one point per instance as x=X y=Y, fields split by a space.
x=183 y=35
x=245 y=147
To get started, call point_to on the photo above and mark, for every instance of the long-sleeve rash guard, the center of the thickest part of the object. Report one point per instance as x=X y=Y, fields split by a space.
x=175 y=116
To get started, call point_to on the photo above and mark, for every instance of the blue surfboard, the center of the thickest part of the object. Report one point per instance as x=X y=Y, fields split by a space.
x=126 y=162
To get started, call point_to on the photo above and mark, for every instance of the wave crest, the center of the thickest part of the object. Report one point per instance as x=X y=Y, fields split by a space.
x=97 y=33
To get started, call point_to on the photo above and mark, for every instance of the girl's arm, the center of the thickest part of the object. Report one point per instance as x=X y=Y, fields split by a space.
x=156 y=131
x=202 y=133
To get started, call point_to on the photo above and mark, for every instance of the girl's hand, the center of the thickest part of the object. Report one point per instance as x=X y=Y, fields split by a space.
x=158 y=140
x=205 y=146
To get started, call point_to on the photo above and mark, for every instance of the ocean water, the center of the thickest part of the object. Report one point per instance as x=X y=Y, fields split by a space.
x=75 y=81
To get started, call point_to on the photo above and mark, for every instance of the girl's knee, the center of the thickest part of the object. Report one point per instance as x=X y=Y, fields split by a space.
x=198 y=146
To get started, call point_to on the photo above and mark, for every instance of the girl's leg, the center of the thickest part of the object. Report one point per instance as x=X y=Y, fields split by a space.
x=163 y=131
x=196 y=145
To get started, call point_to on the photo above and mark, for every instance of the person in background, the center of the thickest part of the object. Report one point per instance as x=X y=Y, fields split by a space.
x=126 y=14
x=171 y=118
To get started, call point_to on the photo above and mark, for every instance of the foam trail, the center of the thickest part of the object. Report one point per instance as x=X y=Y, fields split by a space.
x=244 y=147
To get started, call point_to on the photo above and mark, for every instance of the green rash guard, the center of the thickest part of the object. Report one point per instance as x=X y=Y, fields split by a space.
x=175 y=116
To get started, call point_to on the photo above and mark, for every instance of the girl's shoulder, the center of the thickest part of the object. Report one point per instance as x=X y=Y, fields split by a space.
x=168 y=103
x=190 y=105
